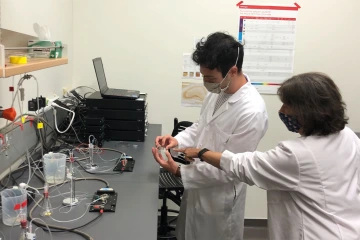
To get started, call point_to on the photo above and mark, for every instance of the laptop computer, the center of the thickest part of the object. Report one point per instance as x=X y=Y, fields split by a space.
x=111 y=92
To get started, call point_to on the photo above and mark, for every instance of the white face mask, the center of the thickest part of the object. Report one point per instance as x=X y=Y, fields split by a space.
x=216 y=87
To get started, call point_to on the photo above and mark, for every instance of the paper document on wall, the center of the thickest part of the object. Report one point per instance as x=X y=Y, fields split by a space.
x=268 y=35
x=192 y=94
x=190 y=69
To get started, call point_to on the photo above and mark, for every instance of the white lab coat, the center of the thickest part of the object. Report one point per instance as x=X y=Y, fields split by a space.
x=213 y=203
x=313 y=185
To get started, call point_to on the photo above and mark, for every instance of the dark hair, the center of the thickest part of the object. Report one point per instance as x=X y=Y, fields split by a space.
x=316 y=102
x=219 y=51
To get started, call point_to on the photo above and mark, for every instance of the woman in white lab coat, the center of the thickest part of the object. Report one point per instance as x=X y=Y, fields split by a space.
x=313 y=182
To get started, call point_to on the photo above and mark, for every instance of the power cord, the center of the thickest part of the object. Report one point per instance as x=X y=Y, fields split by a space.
x=84 y=225
x=73 y=230
x=71 y=121
x=104 y=173
x=99 y=173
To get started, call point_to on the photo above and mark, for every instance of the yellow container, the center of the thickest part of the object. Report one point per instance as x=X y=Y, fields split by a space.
x=18 y=59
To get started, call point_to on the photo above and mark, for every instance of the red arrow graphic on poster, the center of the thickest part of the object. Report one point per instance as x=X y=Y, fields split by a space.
x=239 y=3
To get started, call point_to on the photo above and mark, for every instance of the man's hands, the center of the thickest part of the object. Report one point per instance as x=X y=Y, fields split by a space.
x=166 y=141
x=170 y=165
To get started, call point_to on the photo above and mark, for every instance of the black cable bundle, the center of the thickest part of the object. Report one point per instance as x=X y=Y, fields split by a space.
x=74 y=134
x=59 y=228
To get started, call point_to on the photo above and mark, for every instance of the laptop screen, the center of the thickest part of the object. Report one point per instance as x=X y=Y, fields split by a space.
x=100 y=74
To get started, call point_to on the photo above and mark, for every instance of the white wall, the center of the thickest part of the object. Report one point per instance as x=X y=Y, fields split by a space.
x=141 y=44
x=19 y=16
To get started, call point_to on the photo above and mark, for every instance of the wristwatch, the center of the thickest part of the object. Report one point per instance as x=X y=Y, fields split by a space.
x=202 y=151
x=178 y=173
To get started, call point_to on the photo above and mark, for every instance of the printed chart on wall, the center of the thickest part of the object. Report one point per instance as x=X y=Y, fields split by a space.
x=268 y=33
x=193 y=91
x=192 y=94
x=190 y=69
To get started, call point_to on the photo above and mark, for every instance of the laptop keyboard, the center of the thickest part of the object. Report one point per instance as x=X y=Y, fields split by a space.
x=115 y=92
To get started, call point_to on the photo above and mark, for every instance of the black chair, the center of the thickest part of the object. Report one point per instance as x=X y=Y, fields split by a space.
x=171 y=187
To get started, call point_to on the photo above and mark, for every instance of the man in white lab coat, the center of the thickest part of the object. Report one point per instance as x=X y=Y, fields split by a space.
x=233 y=117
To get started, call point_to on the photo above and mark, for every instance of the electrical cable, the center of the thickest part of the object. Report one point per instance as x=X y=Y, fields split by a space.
x=84 y=178
x=12 y=105
x=21 y=174
x=41 y=179
x=29 y=163
x=27 y=77
x=19 y=117
x=74 y=230
x=41 y=225
x=42 y=139
x=104 y=173
x=76 y=135
x=73 y=220
x=14 y=180
x=100 y=173
x=87 y=94
x=25 y=155
x=72 y=118
x=36 y=168
x=23 y=168
x=35 y=147
x=84 y=225
x=40 y=134
x=86 y=236
x=47 y=226
x=5 y=185
x=39 y=141
x=83 y=87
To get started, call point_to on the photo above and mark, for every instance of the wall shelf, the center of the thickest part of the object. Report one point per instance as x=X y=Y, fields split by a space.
x=18 y=44
x=33 y=64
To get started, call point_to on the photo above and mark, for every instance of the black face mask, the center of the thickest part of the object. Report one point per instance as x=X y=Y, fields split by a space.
x=290 y=122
